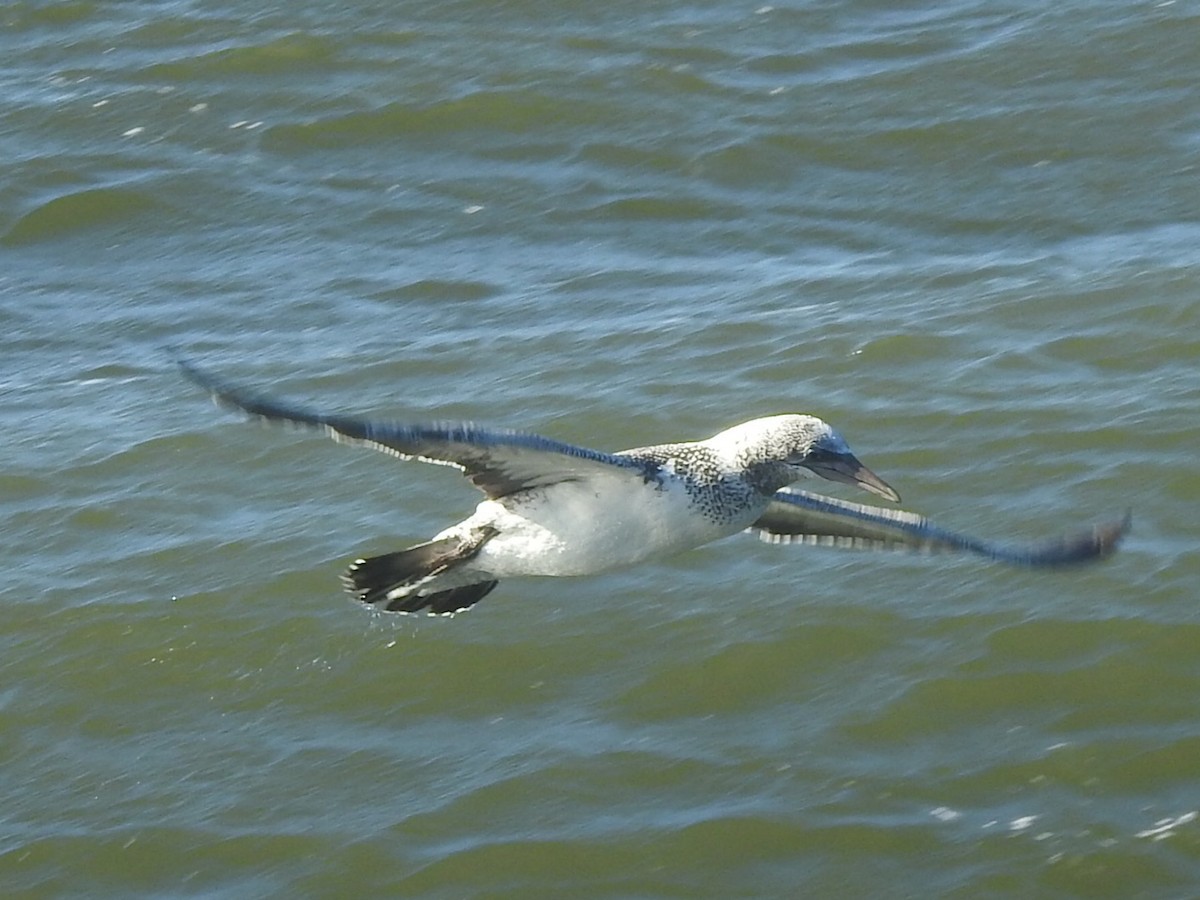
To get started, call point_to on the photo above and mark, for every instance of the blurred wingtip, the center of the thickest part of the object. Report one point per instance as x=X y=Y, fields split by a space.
x=1096 y=543
x=1108 y=535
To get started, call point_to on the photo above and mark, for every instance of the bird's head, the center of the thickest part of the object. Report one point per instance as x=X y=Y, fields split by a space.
x=780 y=448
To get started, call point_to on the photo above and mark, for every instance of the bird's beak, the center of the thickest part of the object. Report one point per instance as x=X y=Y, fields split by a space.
x=846 y=468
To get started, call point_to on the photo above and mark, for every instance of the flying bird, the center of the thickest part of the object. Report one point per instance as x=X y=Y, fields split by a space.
x=552 y=508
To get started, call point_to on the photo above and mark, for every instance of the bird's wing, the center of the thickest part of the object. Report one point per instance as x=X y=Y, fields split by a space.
x=804 y=518
x=498 y=462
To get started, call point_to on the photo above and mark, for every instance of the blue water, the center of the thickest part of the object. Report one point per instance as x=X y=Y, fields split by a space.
x=964 y=233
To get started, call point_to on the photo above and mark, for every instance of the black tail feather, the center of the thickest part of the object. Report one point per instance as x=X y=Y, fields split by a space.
x=380 y=580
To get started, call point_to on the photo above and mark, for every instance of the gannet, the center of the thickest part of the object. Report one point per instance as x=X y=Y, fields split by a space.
x=552 y=508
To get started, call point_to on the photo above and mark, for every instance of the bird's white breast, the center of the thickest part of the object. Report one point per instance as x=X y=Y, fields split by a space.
x=577 y=528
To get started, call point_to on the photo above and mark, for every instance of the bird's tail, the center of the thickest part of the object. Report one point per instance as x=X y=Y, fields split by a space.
x=405 y=581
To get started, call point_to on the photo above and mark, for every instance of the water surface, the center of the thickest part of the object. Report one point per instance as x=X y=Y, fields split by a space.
x=964 y=233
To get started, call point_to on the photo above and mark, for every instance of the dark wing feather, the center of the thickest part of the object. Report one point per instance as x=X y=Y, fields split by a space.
x=497 y=461
x=800 y=517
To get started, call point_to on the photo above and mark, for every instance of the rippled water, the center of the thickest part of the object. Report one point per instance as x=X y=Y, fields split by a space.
x=965 y=233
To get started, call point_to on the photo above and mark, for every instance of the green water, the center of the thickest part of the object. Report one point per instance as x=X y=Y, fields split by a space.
x=966 y=234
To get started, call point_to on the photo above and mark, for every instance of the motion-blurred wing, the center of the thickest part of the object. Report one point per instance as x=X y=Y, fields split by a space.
x=798 y=517
x=499 y=462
